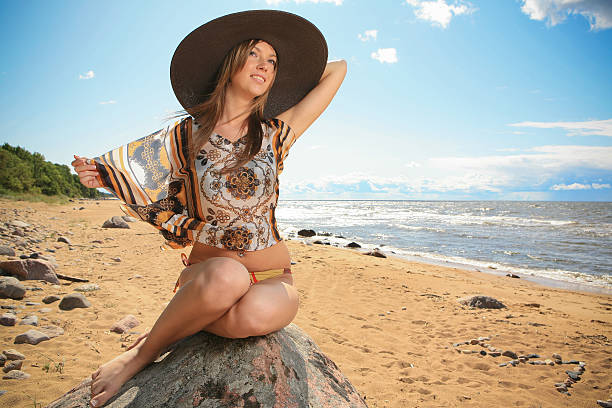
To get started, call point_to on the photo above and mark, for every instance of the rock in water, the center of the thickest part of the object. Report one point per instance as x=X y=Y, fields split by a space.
x=282 y=369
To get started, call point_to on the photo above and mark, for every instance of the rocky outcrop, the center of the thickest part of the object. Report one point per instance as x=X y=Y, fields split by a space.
x=281 y=370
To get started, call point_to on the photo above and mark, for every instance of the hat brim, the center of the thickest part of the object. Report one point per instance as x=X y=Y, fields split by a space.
x=300 y=47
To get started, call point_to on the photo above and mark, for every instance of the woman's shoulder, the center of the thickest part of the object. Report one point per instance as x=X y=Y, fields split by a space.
x=276 y=124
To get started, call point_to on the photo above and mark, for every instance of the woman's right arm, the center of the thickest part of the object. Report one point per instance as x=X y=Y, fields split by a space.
x=86 y=170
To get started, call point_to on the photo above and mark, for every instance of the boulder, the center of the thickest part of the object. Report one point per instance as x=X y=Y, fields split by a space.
x=282 y=369
x=306 y=233
x=353 y=245
x=115 y=222
x=377 y=253
x=11 y=288
x=73 y=301
x=31 y=269
x=481 y=302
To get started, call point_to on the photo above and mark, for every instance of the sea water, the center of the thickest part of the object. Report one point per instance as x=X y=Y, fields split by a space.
x=557 y=242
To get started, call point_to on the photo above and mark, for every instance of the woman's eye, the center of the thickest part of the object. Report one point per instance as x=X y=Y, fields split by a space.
x=273 y=62
x=252 y=53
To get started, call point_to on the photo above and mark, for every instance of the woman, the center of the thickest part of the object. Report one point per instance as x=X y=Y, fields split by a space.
x=252 y=83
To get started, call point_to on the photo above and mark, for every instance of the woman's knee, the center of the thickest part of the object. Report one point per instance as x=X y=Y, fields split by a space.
x=260 y=319
x=223 y=279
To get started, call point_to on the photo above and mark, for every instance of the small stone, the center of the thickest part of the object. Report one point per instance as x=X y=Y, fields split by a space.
x=28 y=303
x=33 y=288
x=12 y=365
x=65 y=240
x=12 y=354
x=17 y=223
x=605 y=404
x=574 y=375
x=403 y=307
x=549 y=362
x=557 y=356
x=481 y=302
x=8 y=319
x=522 y=359
x=484 y=338
x=377 y=254
x=115 y=222
x=74 y=300
x=126 y=323
x=45 y=310
x=87 y=287
x=135 y=277
x=31 y=337
x=32 y=320
x=533 y=355
x=571 y=362
x=353 y=245
x=4 y=250
x=10 y=287
x=483 y=353
x=16 y=375
x=494 y=353
x=466 y=351
x=50 y=299
x=510 y=354
x=473 y=341
x=503 y=364
x=117 y=259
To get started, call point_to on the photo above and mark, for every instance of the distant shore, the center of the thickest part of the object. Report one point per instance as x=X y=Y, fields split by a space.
x=391 y=325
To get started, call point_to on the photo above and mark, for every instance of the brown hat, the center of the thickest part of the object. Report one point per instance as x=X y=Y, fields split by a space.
x=300 y=47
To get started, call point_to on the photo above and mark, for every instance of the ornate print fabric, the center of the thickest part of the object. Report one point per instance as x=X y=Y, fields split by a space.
x=195 y=200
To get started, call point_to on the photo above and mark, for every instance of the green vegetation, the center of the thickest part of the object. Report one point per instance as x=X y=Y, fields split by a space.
x=25 y=175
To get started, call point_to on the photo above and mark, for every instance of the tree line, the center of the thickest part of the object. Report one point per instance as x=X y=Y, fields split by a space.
x=23 y=172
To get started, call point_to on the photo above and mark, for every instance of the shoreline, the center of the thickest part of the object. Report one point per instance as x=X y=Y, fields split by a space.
x=389 y=324
x=497 y=271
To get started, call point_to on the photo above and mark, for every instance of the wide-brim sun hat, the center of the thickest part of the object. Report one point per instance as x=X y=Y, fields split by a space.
x=300 y=48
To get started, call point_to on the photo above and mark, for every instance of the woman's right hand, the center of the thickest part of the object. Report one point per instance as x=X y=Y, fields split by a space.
x=86 y=169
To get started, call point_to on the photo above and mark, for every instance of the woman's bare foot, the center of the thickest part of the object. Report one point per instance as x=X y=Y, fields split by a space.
x=139 y=339
x=107 y=379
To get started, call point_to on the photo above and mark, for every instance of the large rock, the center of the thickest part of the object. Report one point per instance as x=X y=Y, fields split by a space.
x=282 y=369
x=11 y=288
x=115 y=222
x=31 y=269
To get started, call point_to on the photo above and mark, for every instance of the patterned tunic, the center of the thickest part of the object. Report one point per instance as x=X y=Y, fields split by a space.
x=192 y=201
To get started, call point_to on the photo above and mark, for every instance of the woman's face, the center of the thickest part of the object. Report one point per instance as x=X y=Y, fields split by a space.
x=255 y=77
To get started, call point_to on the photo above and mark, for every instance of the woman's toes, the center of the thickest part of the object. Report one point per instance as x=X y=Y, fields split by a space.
x=98 y=400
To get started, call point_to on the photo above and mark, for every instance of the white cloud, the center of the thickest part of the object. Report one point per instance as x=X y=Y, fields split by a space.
x=578 y=186
x=111 y=102
x=277 y=2
x=587 y=128
x=388 y=55
x=597 y=12
x=438 y=12
x=534 y=169
x=367 y=35
x=412 y=164
x=599 y=186
x=88 y=75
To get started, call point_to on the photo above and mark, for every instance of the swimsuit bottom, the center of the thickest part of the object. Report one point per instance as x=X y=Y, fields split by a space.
x=253 y=276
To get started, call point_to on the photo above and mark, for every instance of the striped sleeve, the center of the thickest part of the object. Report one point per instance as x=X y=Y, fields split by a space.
x=284 y=138
x=153 y=178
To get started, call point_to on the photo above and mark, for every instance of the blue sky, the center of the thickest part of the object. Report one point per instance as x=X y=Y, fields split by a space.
x=443 y=99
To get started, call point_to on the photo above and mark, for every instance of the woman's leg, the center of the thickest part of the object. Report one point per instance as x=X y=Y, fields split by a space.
x=268 y=306
x=217 y=284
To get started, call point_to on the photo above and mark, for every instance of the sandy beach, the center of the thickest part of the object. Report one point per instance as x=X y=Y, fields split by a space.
x=389 y=324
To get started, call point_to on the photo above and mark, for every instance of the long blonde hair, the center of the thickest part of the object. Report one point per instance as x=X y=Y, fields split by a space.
x=209 y=112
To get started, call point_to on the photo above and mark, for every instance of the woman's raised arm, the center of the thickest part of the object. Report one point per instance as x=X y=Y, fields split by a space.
x=302 y=115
